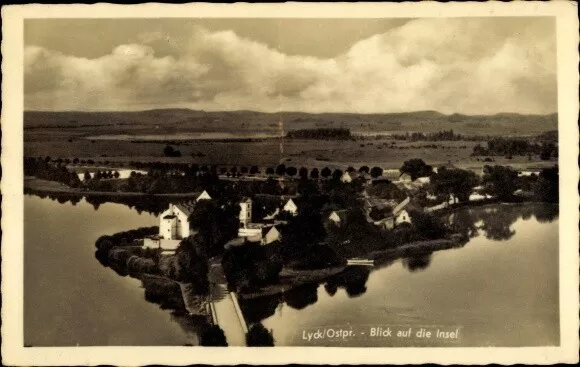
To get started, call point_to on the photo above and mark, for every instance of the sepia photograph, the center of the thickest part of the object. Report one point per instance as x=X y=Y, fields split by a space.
x=355 y=182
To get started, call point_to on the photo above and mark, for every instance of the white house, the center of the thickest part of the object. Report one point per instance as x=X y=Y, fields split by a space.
x=338 y=217
x=173 y=227
x=203 y=196
x=348 y=177
x=269 y=235
x=400 y=213
x=174 y=222
x=262 y=234
x=291 y=207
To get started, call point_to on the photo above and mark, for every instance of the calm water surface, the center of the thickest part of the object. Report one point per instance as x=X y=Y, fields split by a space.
x=500 y=288
x=69 y=297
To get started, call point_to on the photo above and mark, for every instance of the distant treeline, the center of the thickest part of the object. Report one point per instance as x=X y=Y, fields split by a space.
x=444 y=135
x=321 y=134
x=510 y=147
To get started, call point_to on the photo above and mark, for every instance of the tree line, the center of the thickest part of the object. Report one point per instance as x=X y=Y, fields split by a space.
x=516 y=147
x=321 y=134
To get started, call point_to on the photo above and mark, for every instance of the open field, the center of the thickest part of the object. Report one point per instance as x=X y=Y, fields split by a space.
x=88 y=136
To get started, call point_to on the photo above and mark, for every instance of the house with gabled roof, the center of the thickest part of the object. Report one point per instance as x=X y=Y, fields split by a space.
x=291 y=207
x=173 y=227
x=203 y=196
x=338 y=217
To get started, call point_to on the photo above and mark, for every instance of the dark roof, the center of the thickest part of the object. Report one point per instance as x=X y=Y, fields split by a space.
x=186 y=207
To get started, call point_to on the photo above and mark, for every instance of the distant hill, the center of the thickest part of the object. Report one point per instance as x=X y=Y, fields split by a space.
x=171 y=120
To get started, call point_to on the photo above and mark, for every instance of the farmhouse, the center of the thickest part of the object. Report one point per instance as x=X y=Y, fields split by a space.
x=256 y=233
x=397 y=216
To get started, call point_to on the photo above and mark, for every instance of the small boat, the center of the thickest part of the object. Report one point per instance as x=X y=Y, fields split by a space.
x=360 y=262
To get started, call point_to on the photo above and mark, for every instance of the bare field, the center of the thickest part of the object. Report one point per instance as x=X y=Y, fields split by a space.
x=385 y=153
x=76 y=135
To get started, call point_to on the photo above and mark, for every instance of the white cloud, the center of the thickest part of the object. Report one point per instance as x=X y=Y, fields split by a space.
x=450 y=65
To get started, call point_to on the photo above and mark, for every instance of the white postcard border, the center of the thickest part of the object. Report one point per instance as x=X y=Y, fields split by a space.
x=13 y=352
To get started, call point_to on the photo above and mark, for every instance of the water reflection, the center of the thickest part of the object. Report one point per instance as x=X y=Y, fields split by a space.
x=417 y=263
x=301 y=297
x=140 y=203
x=353 y=280
x=496 y=222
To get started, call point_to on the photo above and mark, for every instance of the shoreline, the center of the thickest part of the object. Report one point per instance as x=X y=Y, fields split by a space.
x=51 y=187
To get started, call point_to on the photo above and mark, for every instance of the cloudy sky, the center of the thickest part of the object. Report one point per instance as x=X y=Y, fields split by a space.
x=463 y=65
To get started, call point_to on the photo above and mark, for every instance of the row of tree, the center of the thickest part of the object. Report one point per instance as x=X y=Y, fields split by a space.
x=516 y=147
x=320 y=134
x=443 y=135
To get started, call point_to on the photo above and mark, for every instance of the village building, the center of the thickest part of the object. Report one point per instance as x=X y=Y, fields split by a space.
x=291 y=207
x=338 y=217
x=397 y=216
x=203 y=196
x=347 y=177
x=256 y=233
x=245 y=212
x=174 y=225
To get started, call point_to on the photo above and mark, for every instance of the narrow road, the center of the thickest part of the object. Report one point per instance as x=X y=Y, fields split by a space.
x=227 y=312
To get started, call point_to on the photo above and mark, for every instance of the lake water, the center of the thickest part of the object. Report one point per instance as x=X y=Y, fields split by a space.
x=500 y=288
x=69 y=297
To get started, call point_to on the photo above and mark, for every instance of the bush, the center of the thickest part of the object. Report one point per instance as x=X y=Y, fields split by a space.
x=213 y=336
x=258 y=336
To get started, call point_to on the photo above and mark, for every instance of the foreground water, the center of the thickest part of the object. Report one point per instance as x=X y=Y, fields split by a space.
x=501 y=288
x=69 y=298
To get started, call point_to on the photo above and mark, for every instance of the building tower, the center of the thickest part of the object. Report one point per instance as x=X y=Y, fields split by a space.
x=245 y=212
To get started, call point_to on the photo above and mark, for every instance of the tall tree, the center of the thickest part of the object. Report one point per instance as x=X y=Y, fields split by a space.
x=454 y=183
x=416 y=168
x=364 y=169
x=281 y=170
x=499 y=181
x=314 y=174
x=291 y=171
x=376 y=172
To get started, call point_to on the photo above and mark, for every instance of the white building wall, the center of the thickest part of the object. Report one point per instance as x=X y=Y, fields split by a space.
x=272 y=235
x=402 y=217
x=182 y=224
